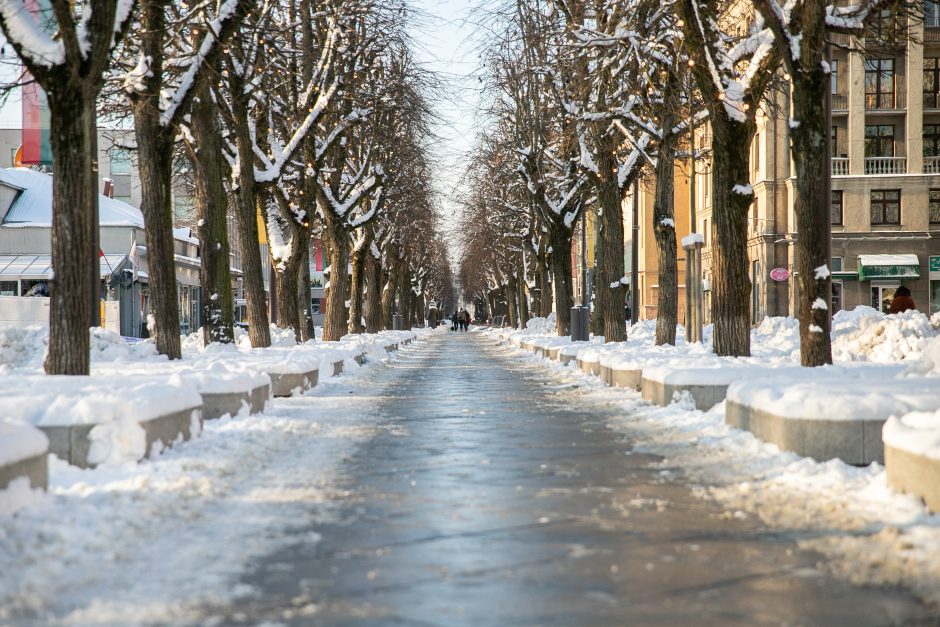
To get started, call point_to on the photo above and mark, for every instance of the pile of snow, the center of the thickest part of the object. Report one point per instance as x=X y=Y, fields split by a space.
x=777 y=335
x=22 y=346
x=917 y=433
x=541 y=326
x=929 y=363
x=865 y=334
x=19 y=441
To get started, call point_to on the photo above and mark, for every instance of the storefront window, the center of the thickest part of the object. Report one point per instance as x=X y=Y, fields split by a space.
x=881 y=296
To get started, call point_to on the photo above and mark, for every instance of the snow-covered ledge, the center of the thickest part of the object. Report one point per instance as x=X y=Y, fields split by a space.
x=912 y=455
x=100 y=420
x=826 y=413
x=23 y=457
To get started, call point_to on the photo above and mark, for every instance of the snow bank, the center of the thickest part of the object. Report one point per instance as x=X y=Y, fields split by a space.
x=22 y=346
x=19 y=441
x=917 y=433
x=44 y=400
x=865 y=334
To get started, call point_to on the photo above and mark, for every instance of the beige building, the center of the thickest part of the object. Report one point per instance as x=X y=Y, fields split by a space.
x=885 y=206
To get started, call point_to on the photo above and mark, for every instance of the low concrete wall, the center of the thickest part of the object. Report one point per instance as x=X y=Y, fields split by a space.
x=553 y=353
x=71 y=443
x=704 y=396
x=217 y=405
x=589 y=367
x=284 y=384
x=631 y=379
x=36 y=469
x=914 y=474
x=853 y=441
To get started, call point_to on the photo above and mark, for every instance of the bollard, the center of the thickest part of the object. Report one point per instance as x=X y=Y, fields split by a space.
x=579 y=324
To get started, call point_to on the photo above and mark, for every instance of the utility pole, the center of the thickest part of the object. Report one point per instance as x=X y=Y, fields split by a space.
x=635 y=255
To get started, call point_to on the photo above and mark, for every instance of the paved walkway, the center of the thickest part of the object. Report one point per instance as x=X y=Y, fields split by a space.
x=488 y=500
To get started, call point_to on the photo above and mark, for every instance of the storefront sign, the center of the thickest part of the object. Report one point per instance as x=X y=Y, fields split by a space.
x=779 y=274
x=934 y=267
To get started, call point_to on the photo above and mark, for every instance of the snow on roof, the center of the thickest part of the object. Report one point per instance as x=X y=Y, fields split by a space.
x=185 y=234
x=888 y=260
x=40 y=266
x=33 y=205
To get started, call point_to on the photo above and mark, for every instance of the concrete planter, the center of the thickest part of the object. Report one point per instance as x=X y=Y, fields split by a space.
x=217 y=405
x=553 y=353
x=630 y=379
x=285 y=383
x=704 y=396
x=914 y=474
x=36 y=469
x=71 y=443
x=589 y=367
x=855 y=442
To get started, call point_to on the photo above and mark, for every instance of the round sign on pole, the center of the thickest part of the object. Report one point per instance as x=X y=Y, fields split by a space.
x=779 y=274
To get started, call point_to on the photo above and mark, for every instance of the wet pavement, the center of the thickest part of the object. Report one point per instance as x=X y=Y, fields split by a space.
x=486 y=499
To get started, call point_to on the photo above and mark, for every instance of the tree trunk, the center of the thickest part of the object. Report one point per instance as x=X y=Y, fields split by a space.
x=389 y=292
x=74 y=202
x=731 y=286
x=211 y=210
x=404 y=295
x=259 y=331
x=357 y=283
x=288 y=314
x=561 y=280
x=373 y=304
x=610 y=270
x=811 y=206
x=509 y=293
x=664 y=230
x=304 y=297
x=334 y=319
x=523 y=305
x=154 y=146
x=546 y=303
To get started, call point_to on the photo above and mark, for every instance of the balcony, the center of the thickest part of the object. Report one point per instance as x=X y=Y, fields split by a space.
x=885 y=165
x=839 y=102
x=840 y=166
x=885 y=101
x=932 y=29
x=931 y=165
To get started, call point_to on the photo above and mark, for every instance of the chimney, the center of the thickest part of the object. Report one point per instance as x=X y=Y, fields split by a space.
x=108 y=188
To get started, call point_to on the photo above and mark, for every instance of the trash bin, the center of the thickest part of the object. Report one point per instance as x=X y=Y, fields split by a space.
x=396 y=322
x=579 y=324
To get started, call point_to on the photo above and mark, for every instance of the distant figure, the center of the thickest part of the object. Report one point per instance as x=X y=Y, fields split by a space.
x=454 y=319
x=40 y=289
x=463 y=319
x=902 y=301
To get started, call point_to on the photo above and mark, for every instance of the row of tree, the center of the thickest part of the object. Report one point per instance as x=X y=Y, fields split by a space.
x=587 y=96
x=308 y=113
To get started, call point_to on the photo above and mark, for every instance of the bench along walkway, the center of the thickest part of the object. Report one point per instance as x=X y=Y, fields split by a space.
x=490 y=499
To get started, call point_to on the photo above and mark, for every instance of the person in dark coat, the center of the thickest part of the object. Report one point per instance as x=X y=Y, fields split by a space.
x=902 y=301
x=453 y=320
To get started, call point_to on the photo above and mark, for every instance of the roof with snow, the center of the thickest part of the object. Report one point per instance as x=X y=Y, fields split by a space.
x=32 y=204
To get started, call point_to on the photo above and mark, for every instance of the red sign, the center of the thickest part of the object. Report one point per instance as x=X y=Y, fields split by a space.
x=779 y=274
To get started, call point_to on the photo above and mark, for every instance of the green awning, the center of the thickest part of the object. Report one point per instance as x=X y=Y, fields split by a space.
x=888 y=267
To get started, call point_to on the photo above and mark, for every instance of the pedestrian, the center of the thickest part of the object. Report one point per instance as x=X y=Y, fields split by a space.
x=453 y=321
x=902 y=301
x=466 y=320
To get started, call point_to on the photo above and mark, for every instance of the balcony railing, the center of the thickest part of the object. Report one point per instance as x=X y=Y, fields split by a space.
x=932 y=29
x=886 y=101
x=931 y=165
x=885 y=165
x=839 y=102
x=840 y=166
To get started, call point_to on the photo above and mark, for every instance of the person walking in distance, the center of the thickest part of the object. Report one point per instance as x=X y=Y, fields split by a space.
x=454 y=320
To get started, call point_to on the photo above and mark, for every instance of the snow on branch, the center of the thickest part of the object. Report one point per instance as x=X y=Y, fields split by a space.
x=28 y=37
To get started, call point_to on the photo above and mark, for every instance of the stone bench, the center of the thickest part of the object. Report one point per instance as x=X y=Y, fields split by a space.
x=621 y=377
x=35 y=469
x=855 y=442
x=216 y=405
x=72 y=444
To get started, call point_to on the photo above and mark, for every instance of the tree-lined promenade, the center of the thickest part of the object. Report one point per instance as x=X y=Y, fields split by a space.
x=309 y=116
x=586 y=97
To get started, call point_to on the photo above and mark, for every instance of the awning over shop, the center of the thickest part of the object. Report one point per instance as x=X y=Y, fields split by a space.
x=40 y=266
x=888 y=267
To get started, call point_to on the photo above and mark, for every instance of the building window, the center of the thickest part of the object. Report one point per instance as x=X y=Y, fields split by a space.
x=120 y=161
x=756 y=153
x=932 y=140
x=835 y=264
x=834 y=77
x=882 y=295
x=756 y=282
x=705 y=231
x=884 y=28
x=931 y=14
x=933 y=206
x=879 y=140
x=886 y=206
x=836 y=207
x=834 y=142
x=931 y=82
x=836 y=296
x=879 y=84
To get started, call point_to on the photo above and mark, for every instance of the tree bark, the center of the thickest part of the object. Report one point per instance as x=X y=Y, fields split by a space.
x=305 y=298
x=211 y=210
x=389 y=291
x=546 y=303
x=561 y=279
x=356 y=287
x=74 y=202
x=523 y=305
x=334 y=319
x=731 y=285
x=664 y=230
x=509 y=293
x=154 y=145
x=259 y=331
x=373 y=303
x=611 y=269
